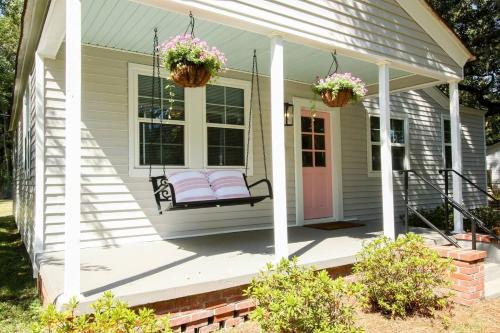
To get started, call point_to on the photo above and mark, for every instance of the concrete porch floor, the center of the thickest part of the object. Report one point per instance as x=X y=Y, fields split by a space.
x=149 y=272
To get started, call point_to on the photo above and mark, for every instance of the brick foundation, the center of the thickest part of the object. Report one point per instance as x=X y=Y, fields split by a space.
x=468 y=279
x=208 y=312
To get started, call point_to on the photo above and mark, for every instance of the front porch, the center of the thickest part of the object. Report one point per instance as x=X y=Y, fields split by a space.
x=150 y=272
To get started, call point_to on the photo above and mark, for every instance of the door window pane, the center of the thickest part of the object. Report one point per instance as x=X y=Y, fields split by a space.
x=319 y=159
x=306 y=124
x=307 y=159
x=319 y=125
x=319 y=142
x=306 y=141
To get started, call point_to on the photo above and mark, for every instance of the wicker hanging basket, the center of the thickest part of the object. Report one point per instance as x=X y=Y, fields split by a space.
x=189 y=75
x=343 y=97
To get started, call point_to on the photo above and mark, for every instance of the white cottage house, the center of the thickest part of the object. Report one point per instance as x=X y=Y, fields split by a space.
x=84 y=202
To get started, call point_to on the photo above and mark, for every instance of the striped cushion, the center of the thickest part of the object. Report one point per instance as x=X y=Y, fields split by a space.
x=191 y=186
x=228 y=184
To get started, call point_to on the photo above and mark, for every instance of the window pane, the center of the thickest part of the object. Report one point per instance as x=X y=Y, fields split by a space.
x=144 y=107
x=447 y=157
x=174 y=111
x=215 y=94
x=397 y=131
x=398 y=158
x=146 y=86
x=307 y=141
x=375 y=158
x=234 y=97
x=225 y=146
x=375 y=129
x=215 y=114
x=178 y=92
x=167 y=148
x=235 y=116
x=447 y=131
x=306 y=124
x=320 y=159
x=319 y=142
x=319 y=125
x=307 y=159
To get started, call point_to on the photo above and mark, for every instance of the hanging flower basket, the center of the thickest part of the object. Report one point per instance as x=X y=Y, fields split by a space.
x=189 y=75
x=338 y=89
x=190 y=60
x=343 y=97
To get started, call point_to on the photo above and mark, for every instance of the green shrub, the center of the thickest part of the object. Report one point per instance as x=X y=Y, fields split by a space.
x=110 y=316
x=403 y=277
x=294 y=299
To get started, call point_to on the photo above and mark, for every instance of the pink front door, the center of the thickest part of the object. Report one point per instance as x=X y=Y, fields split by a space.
x=316 y=165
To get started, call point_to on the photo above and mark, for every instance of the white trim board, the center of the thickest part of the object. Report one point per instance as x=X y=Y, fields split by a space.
x=336 y=144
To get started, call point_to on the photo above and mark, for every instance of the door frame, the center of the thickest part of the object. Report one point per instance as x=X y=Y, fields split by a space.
x=336 y=160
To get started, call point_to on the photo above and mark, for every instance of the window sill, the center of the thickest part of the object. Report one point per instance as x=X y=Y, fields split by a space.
x=144 y=172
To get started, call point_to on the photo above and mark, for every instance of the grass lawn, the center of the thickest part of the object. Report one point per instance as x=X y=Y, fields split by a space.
x=18 y=296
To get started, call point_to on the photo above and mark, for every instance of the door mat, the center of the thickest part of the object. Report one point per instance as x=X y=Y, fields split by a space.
x=334 y=225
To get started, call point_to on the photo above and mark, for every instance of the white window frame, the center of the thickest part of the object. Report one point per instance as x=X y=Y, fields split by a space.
x=406 y=145
x=246 y=86
x=195 y=146
x=443 y=141
x=26 y=134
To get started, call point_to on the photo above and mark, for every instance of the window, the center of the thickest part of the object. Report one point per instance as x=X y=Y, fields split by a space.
x=225 y=119
x=205 y=128
x=313 y=142
x=447 y=144
x=160 y=123
x=398 y=144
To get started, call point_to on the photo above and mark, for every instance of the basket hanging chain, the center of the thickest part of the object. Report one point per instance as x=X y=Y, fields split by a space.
x=190 y=25
x=334 y=62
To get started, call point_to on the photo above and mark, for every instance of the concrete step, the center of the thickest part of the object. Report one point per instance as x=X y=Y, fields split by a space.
x=491 y=279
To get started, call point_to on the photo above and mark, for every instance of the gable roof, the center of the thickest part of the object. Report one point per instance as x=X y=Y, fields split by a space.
x=440 y=30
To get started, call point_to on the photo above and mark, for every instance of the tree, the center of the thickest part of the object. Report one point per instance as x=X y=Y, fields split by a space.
x=10 y=21
x=477 y=23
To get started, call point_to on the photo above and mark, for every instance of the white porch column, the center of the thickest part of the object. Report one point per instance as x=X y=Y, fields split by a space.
x=385 y=151
x=73 y=149
x=456 y=153
x=278 y=149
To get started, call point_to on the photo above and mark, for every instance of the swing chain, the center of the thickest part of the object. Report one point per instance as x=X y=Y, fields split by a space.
x=190 y=25
x=255 y=78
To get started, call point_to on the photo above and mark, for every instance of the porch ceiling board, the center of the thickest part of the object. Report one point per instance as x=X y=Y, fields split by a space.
x=128 y=26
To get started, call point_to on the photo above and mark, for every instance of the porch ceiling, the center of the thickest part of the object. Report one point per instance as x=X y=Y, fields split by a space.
x=125 y=25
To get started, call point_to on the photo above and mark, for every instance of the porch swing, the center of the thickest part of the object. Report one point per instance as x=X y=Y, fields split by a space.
x=164 y=190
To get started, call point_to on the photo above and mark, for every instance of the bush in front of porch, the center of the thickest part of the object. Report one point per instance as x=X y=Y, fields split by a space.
x=403 y=277
x=291 y=298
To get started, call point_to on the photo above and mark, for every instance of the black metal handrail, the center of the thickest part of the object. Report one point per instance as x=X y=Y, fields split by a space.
x=446 y=171
x=460 y=208
x=429 y=223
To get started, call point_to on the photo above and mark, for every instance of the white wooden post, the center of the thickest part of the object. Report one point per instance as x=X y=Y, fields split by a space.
x=385 y=151
x=456 y=154
x=73 y=149
x=278 y=149
x=40 y=157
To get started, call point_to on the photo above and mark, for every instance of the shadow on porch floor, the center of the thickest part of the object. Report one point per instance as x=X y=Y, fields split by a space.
x=149 y=272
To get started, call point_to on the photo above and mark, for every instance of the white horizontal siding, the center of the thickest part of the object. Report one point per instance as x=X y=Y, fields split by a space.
x=362 y=198
x=377 y=27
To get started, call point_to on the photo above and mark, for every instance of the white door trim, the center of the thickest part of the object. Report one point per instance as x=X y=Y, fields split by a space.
x=336 y=155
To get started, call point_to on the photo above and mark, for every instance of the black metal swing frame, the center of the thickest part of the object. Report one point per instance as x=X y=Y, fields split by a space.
x=164 y=191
